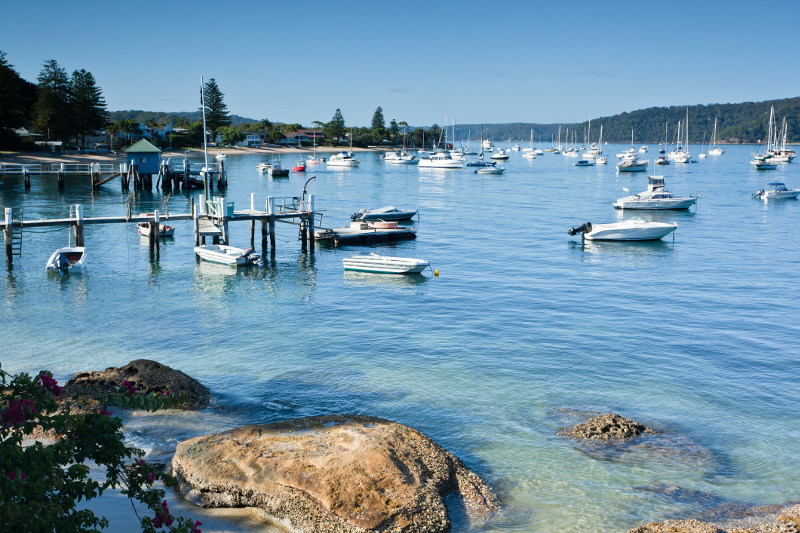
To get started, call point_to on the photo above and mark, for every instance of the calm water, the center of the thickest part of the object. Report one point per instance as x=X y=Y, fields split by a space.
x=525 y=328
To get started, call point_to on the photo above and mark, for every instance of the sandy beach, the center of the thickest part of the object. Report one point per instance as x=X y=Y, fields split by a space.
x=33 y=158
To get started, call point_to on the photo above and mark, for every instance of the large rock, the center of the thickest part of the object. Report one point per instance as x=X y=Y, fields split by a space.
x=332 y=473
x=607 y=427
x=741 y=519
x=145 y=375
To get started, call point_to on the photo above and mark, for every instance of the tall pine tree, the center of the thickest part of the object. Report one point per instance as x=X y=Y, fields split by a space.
x=52 y=108
x=216 y=111
x=88 y=105
x=335 y=128
x=15 y=101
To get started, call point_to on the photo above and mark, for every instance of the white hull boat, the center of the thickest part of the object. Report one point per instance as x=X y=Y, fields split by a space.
x=632 y=165
x=69 y=259
x=501 y=155
x=385 y=264
x=776 y=191
x=490 y=170
x=343 y=159
x=764 y=163
x=655 y=197
x=226 y=255
x=366 y=233
x=383 y=214
x=441 y=160
x=633 y=229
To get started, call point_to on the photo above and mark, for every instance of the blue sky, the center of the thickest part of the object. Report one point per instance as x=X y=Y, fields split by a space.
x=512 y=61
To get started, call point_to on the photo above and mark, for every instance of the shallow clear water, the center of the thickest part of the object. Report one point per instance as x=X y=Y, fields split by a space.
x=525 y=331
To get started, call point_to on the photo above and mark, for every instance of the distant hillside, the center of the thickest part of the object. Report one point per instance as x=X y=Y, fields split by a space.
x=167 y=118
x=736 y=123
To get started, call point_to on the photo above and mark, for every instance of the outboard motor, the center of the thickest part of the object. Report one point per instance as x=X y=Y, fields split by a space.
x=586 y=228
x=358 y=215
x=759 y=194
x=62 y=263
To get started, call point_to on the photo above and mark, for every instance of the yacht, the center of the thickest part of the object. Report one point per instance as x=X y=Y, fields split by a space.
x=713 y=148
x=440 y=160
x=501 y=155
x=487 y=146
x=776 y=191
x=384 y=213
x=343 y=159
x=632 y=229
x=655 y=197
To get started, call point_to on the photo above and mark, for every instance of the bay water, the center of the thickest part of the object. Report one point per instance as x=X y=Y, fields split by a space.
x=525 y=331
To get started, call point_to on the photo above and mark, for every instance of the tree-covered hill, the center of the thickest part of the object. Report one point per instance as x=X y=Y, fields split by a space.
x=168 y=117
x=736 y=123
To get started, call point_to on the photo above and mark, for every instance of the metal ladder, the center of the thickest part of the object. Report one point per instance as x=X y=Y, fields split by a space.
x=16 y=236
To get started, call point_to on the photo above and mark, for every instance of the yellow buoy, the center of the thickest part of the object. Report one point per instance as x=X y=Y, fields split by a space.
x=436 y=273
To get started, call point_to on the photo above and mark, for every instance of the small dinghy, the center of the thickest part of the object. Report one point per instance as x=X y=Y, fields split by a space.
x=69 y=259
x=384 y=264
x=227 y=255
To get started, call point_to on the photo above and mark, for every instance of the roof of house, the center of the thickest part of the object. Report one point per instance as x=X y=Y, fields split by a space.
x=143 y=146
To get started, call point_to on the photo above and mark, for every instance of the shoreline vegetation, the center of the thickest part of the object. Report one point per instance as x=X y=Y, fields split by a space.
x=107 y=156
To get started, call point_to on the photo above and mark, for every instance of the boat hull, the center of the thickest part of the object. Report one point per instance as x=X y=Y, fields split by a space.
x=677 y=203
x=343 y=236
x=612 y=232
x=226 y=255
x=70 y=259
x=385 y=265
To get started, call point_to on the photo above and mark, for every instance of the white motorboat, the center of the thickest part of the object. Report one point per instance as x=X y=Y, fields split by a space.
x=529 y=155
x=384 y=264
x=400 y=158
x=661 y=160
x=70 y=259
x=655 y=197
x=221 y=157
x=383 y=214
x=440 y=160
x=163 y=230
x=227 y=255
x=632 y=165
x=490 y=170
x=501 y=155
x=515 y=148
x=761 y=162
x=601 y=160
x=643 y=149
x=360 y=232
x=632 y=229
x=273 y=169
x=343 y=159
x=487 y=146
x=776 y=191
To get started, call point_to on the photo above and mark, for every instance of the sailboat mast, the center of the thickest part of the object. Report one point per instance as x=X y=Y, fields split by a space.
x=205 y=139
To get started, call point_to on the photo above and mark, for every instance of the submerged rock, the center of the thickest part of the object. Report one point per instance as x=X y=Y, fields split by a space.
x=608 y=427
x=734 y=519
x=332 y=473
x=145 y=375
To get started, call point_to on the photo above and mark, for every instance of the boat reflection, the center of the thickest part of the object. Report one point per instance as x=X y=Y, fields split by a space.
x=371 y=279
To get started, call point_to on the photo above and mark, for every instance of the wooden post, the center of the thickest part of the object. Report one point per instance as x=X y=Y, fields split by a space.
x=7 y=229
x=195 y=224
x=78 y=225
x=185 y=174
x=157 y=232
x=303 y=235
x=252 y=222
x=271 y=222
x=311 y=222
x=61 y=178
x=264 y=238
x=27 y=178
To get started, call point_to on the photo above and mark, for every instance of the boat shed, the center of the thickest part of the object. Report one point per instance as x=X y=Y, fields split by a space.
x=145 y=155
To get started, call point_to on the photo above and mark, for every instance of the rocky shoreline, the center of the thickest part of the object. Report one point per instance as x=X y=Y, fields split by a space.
x=356 y=473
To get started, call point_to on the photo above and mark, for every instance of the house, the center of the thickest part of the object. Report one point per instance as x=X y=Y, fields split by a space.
x=302 y=137
x=144 y=155
x=250 y=140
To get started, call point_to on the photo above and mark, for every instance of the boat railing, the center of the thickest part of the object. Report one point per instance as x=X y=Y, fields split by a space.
x=288 y=204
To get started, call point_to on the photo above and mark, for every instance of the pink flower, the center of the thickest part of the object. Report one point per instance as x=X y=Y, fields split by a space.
x=17 y=411
x=129 y=386
x=196 y=529
x=46 y=381
x=13 y=475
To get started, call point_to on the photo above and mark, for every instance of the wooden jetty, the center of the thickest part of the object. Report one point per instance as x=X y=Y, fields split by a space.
x=210 y=219
x=172 y=175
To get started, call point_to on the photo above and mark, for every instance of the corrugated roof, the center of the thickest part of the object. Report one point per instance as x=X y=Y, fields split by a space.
x=143 y=146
